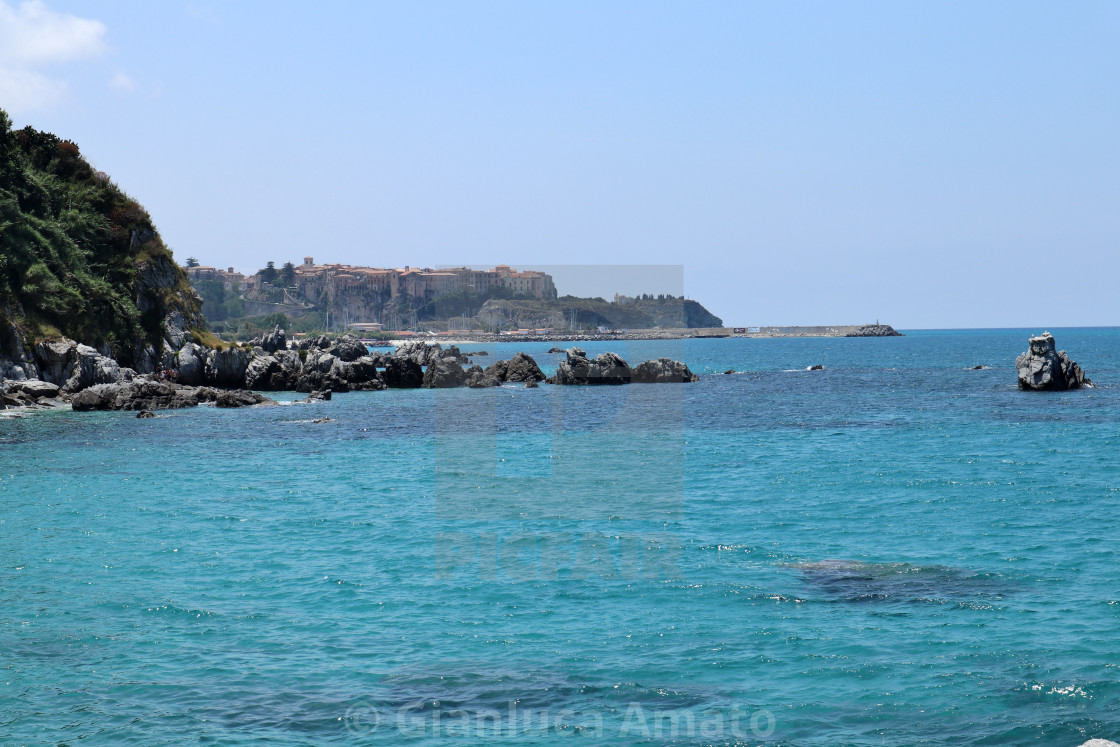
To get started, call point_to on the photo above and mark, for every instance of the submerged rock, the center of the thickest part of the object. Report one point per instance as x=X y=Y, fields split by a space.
x=1043 y=368
x=145 y=414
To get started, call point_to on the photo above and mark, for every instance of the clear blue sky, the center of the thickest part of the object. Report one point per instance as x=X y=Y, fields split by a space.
x=928 y=164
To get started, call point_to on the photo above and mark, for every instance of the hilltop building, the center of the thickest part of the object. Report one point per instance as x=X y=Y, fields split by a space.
x=232 y=279
x=317 y=282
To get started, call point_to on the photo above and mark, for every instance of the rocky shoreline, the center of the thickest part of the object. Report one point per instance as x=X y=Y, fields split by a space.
x=68 y=373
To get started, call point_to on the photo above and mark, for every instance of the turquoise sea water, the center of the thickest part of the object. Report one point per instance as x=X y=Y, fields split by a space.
x=892 y=551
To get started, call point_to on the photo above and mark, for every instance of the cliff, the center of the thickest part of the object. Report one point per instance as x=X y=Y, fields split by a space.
x=569 y=312
x=81 y=259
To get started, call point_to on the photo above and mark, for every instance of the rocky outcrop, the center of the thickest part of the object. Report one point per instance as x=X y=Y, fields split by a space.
x=348 y=348
x=240 y=398
x=142 y=394
x=519 y=368
x=273 y=341
x=443 y=373
x=226 y=368
x=152 y=394
x=91 y=368
x=56 y=360
x=403 y=373
x=360 y=374
x=262 y=372
x=33 y=389
x=192 y=364
x=1043 y=368
x=663 y=371
x=578 y=369
x=477 y=378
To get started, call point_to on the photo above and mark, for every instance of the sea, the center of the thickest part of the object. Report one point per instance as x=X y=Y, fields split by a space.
x=895 y=550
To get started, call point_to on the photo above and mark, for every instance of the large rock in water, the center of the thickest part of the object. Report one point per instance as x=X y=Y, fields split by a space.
x=403 y=373
x=1043 y=368
x=142 y=394
x=444 y=373
x=608 y=368
x=663 y=371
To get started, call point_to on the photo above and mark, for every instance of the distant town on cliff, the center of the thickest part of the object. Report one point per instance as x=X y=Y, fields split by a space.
x=378 y=300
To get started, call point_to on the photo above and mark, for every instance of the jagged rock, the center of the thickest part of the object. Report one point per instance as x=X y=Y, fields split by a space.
x=532 y=384
x=608 y=368
x=1042 y=368
x=226 y=368
x=348 y=348
x=663 y=371
x=274 y=340
x=522 y=367
x=261 y=371
x=815 y=367
x=403 y=373
x=443 y=373
x=360 y=374
x=33 y=388
x=321 y=395
x=144 y=358
x=191 y=364
x=141 y=394
x=145 y=414
x=575 y=352
x=56 y=360
x=555 y=349
x=92 y=368
x=15 y=363
x=729 y=371
x=475 y=353
x=240 y=398
x=173 y=334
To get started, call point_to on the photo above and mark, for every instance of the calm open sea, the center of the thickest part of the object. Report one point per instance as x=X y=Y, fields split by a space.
x=893 y=551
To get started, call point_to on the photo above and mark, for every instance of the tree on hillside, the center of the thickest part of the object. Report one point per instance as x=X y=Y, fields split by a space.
x=192 y=262
x=269 y=273
x=288 y=274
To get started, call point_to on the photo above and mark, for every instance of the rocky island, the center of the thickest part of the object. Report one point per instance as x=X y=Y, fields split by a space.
x=1044 y=368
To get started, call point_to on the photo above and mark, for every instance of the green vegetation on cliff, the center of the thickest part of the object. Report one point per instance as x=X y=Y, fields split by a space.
x=78 y=256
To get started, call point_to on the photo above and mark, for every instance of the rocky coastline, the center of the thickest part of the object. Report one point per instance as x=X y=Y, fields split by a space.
x=63 y=372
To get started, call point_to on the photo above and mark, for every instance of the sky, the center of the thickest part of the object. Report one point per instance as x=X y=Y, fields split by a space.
x=929 y=165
